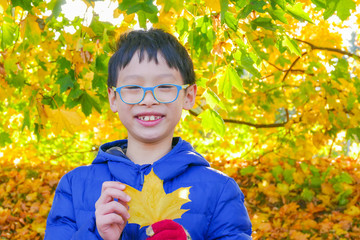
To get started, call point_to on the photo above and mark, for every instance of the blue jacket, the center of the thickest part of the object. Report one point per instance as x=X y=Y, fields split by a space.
x=217 y=208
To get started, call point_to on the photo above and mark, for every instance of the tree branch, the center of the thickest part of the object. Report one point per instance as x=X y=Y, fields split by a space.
x=292 y=65
x=271 y=125
x=314 y=47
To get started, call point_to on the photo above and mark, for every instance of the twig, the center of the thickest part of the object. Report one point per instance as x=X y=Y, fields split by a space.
x=272 y=125
x=314 y=47
x=292 y=65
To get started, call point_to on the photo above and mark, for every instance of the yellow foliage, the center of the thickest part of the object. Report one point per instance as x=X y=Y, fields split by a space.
x=214 y=5
x=61 y=119
x=152 y=204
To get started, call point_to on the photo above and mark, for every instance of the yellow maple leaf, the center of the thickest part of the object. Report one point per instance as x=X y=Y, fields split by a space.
x=61 y=119
x=152 y=204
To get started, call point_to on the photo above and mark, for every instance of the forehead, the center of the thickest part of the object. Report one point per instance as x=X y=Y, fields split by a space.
x=145 y=70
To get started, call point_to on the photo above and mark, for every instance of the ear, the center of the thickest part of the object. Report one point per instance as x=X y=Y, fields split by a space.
x=190 y=95
x=112 y=99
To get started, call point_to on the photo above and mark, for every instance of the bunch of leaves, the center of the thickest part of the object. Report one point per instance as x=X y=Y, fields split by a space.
x=276 y=75
x=26 y=194
x=315 y=198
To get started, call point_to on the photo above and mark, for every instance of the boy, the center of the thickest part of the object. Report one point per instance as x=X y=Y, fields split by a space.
x=151 y=80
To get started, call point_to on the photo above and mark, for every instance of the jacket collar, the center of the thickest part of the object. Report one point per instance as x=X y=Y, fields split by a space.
x=173 y=164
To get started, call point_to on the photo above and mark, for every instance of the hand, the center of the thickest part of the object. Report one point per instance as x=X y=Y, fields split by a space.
x=111 y=216
x=167 y=229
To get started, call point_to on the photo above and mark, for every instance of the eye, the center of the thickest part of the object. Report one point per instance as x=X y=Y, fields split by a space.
x=166 y=87
x=132 y=87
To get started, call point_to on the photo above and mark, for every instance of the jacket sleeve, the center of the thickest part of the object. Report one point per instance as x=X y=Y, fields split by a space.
x=61 y=221
x=230 y=219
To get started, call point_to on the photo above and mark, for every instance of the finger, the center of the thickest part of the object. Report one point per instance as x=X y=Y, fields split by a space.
x=113 y=184
x=112 y=207
x=109 y=194
x=111 y=218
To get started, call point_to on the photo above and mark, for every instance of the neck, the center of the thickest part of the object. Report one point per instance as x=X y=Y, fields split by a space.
x=147 y=153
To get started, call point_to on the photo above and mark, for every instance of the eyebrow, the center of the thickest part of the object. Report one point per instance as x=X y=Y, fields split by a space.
x=139 y=77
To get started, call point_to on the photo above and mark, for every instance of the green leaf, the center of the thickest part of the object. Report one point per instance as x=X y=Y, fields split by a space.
x=258 y=6
x=330 y=8
x=231 y=21
x=304 y=166
x=144 y=10
x=329 y=89
x=26 y=121
x=4 y=139
x=178 y=5
x=212 y=99
x=344 y=7
x=229 y=79
x=351 y=101
x=25 y=4
x=55 y=7
x=65 y=83
x=258 y=50
x=250 y=6
x=73 y=98
x=16 y=80
x=297 y=12
x=97 y=27
x=248 y=170
x=343 y=197
x=8 y=31
x=346 y=178
x=201 y=82
x=265 y=23
x=182 y=26
x=319 y=3
x=278 y=14
x=87 y=103
x=291 y=45
x=326 y=173
x=353 y=133
x=245 y=60
x=142 y=19
x=277 y=172
x=224 y=5
x=314 y=171
x=280 y=3
x=315 y=182
x=288 y=175
x=98 y=83
x=307 y=195
x=211 y=120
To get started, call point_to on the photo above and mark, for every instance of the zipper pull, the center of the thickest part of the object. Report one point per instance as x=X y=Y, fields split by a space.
x=141 y=178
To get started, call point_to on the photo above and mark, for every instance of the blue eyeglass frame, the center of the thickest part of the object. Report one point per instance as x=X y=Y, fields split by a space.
x=145 y=89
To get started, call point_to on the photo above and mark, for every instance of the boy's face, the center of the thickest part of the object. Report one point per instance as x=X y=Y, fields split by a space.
x=150 y=121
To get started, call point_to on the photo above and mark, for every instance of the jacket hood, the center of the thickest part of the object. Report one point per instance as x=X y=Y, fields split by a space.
x=174 y=163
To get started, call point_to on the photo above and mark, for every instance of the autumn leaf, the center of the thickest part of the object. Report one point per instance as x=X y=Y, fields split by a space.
x=63 y=119
x=152 y=204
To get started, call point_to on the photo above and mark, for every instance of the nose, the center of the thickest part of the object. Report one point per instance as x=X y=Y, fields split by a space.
x=149 y=99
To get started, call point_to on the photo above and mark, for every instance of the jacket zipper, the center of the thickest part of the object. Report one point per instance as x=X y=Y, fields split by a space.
x=141 y=178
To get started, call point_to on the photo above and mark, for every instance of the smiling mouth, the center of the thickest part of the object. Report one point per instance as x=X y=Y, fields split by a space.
x=149 y=118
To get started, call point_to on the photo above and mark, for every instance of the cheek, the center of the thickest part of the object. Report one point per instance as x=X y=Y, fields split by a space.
x=176 y=112
x=124 y=113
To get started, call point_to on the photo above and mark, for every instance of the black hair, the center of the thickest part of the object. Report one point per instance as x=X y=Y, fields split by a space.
x=152 y=42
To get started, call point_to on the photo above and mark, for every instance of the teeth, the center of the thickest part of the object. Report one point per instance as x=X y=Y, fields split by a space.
x=149 y=118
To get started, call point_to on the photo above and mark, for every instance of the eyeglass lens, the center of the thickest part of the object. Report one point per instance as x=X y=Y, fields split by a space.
x=162 y=93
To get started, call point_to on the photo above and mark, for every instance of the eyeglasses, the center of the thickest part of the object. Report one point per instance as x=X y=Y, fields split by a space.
x=163 y=93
